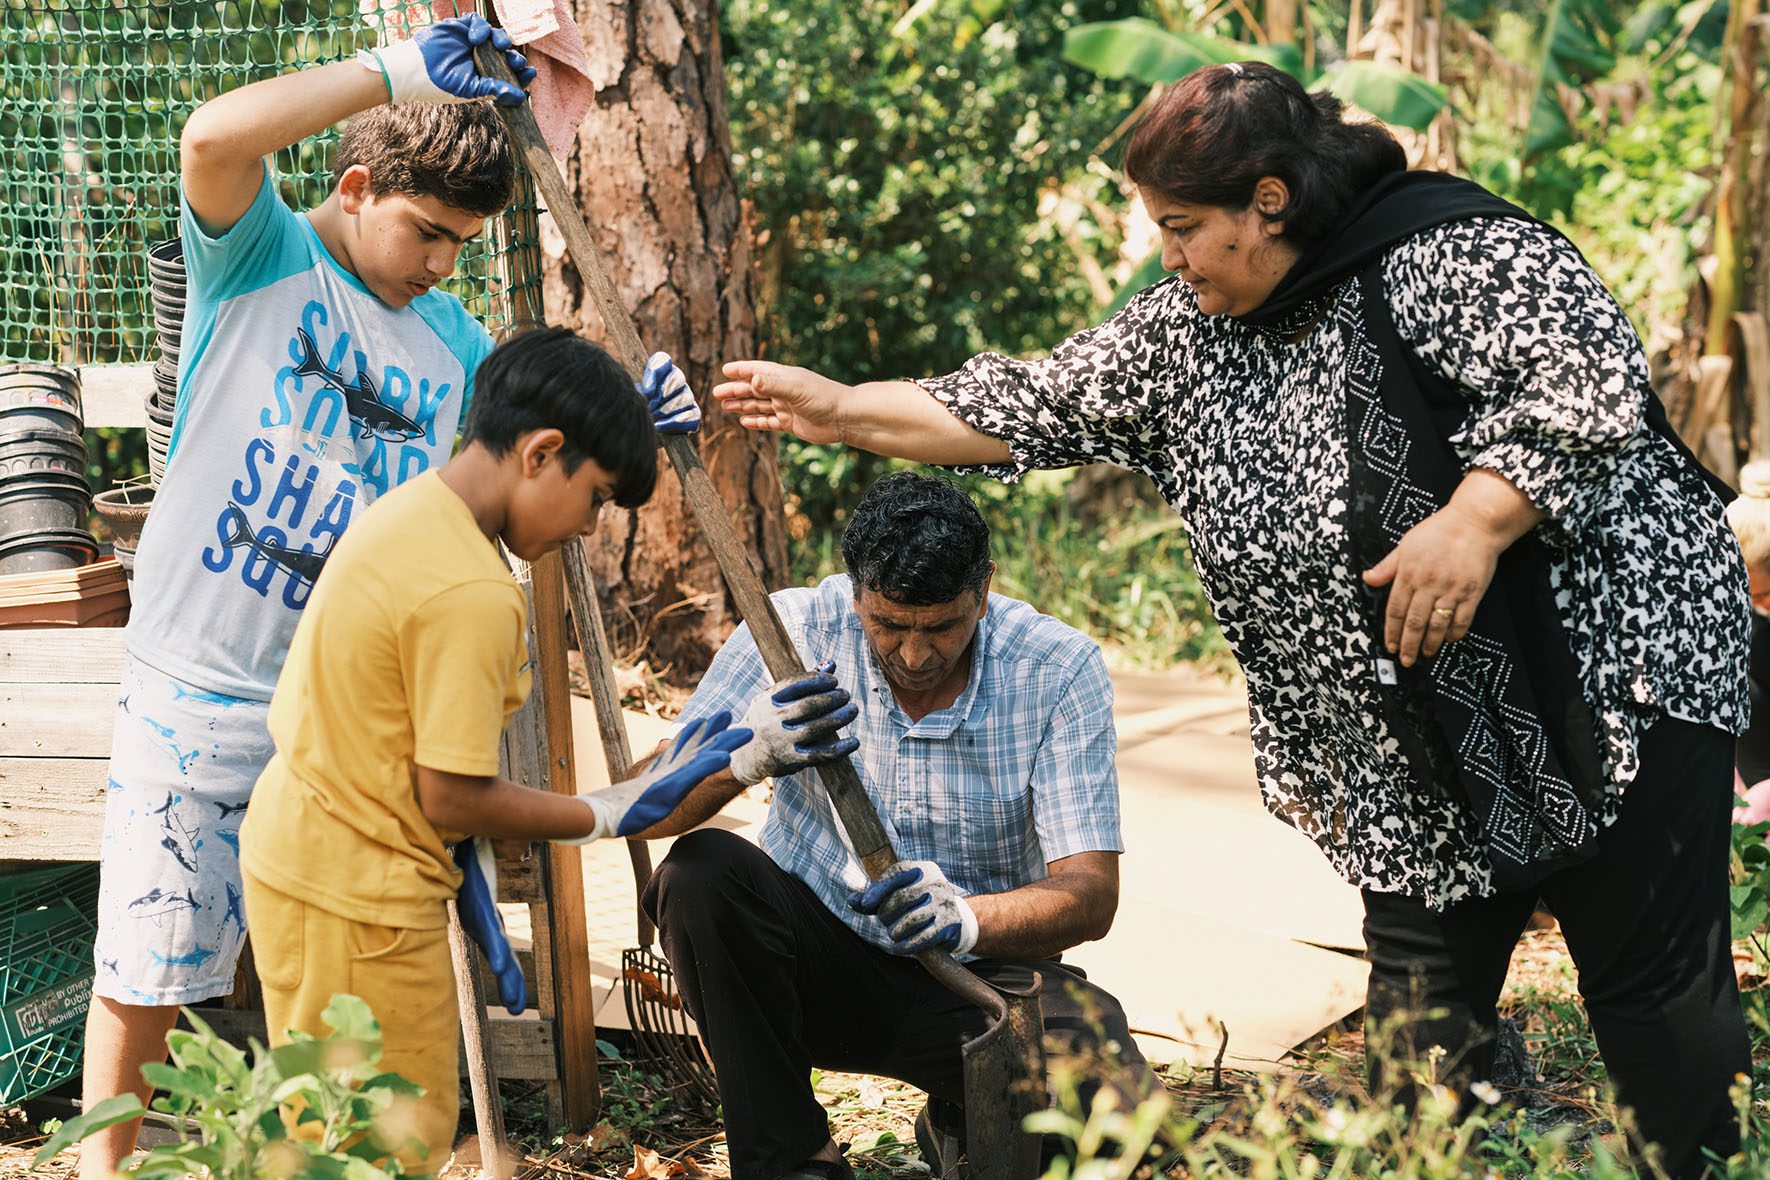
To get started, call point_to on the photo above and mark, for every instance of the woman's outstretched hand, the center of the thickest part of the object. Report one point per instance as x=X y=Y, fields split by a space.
x=896 y=418
x=1443 y=566
x=767 y=396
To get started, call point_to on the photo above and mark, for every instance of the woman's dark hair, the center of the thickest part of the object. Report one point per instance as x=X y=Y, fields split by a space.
x=1218 y=130
x=455 y=152
x=554 y=378
x=916 y=540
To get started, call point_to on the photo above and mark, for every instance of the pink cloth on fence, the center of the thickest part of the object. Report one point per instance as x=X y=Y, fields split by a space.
x=561 y=93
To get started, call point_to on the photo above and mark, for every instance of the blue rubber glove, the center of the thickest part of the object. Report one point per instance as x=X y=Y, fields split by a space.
x=795 y=722
x=436 y=64
x=701 y=750
x=920 y=908
x=478 y=906
x=672 y=404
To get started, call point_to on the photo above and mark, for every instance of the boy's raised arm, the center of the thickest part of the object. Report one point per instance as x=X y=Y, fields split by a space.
x=226 y=139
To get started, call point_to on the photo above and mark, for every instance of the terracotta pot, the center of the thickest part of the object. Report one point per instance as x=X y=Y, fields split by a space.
x=124 y=510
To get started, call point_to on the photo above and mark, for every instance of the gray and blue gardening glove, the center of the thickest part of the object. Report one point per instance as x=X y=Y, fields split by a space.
x=436 y=64
x=671 y=401
x=701 y=750
x=795 y=721
x=477 y=904
x=920 y=908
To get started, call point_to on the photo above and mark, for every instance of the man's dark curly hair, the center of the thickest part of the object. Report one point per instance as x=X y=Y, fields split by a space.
x=455 y=152
x=916 y=540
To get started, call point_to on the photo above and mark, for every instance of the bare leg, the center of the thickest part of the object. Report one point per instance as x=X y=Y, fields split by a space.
x=120 y=1039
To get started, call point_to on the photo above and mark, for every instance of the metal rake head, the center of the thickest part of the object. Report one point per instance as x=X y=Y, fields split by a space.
x=662 y=1030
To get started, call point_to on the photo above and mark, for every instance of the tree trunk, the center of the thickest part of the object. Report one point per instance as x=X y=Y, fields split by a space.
x=652 y=168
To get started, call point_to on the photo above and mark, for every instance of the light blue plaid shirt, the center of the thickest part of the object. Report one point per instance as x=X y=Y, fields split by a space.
x=1017 y=772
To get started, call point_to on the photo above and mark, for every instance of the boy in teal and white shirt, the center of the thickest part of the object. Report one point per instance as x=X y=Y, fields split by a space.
x=320 y=368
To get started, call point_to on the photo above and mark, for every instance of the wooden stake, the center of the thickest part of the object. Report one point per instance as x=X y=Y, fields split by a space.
x=561 y=924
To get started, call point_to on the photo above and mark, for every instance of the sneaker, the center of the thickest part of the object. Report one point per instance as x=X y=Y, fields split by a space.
x=821 y=1170
x=940 y=1137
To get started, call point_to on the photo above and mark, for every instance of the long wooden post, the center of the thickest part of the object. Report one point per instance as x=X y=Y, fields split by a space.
x=564 y=986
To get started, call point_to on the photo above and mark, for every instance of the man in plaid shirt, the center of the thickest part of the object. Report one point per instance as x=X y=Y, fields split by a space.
x=984 y=736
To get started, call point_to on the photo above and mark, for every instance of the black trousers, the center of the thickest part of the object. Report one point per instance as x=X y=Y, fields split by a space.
x=779 y=985
x=1647 y=923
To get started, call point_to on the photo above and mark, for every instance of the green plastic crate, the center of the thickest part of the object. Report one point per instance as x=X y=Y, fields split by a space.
x=48 y=919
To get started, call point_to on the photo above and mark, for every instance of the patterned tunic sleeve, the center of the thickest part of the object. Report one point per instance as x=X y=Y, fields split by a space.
x=1510 y=312
x=1103 y=395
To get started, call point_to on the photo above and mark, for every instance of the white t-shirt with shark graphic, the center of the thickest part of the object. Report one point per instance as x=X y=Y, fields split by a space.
x=301 y=397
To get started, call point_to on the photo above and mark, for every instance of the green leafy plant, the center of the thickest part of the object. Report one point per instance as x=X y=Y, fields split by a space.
x=1750 y=885
x=1144 y=50
x=317 y=1107
x=1279 y=1128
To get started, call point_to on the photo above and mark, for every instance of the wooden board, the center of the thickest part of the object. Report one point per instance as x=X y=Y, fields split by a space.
x=62 y=655
x=523 y=1044
x=573 y=1001
x=57 y=720
x=115 y=395
x=52 y=808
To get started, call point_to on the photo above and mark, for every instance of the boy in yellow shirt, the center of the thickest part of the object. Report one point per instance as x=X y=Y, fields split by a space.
x=408 y=660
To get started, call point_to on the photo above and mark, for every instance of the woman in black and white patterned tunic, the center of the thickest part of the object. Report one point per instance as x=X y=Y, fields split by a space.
x=1492 y=622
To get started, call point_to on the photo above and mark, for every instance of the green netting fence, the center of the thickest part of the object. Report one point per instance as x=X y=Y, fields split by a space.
x=93 y=94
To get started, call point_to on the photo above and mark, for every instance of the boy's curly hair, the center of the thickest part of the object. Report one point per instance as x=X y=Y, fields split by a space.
x=455 y=152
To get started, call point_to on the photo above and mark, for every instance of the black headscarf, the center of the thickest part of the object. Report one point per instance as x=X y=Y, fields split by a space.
x=1498 y=717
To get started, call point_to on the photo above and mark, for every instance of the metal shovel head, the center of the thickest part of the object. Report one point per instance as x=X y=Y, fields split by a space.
x=1005 y=1082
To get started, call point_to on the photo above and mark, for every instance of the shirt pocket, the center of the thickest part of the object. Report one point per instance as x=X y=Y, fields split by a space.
x=998 y=839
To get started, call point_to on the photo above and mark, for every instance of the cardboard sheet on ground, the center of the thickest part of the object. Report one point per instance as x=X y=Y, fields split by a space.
x=1217 y=894
x=1179 y=973
x=1197 y=836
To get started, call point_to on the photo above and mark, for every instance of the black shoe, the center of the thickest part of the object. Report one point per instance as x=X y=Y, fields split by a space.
x=940 y=1136
x=821 y=1170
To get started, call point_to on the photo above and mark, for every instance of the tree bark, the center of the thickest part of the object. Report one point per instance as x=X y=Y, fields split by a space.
x=652 y=168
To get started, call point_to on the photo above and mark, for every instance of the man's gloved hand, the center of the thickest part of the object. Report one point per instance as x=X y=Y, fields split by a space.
x=673 y=408
x=920 y=908
x=702 y=749
x=478 y=907
x=436 y=64
x=795 y=722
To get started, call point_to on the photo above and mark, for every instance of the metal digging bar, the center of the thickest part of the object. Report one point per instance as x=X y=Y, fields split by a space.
x=1005 y=1065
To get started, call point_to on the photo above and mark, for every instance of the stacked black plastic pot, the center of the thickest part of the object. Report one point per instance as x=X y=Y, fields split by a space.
x=44 y=499
x=166 y=281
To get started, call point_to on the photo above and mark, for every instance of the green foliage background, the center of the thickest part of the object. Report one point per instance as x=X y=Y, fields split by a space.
x=896 y=160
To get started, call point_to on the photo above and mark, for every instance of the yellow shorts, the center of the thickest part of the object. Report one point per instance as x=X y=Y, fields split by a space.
x=306 y=955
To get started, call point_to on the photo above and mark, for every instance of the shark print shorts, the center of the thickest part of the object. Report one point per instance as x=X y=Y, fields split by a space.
x=171 y=919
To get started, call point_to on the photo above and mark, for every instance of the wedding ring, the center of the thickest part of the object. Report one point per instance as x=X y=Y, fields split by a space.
x=1445 y=611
